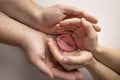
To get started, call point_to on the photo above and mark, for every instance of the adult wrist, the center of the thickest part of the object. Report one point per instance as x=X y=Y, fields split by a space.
x=98 y=49
x=27 y=38
x=35 y=19
x=91 y=64
x=31 y=37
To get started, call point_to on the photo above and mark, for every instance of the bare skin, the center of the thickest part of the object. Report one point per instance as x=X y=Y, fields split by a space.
x=43 y=19
x=83 y=59
x=33 y=44
x=87 y=39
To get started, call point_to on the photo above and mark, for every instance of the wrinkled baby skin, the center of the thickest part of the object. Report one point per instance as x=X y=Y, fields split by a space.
x=66 y=43
x=80 y=37
x=83 y=56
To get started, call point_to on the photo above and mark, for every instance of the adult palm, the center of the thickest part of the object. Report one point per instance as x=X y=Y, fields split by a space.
x=38 y=54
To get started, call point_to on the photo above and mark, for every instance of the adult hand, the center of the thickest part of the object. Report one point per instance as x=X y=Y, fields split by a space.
x=37 y=53
x=82 y=31
x=86 y=37
x=34 y=47
x=78 y=59
x=56 y=13
x=34 y=44
x=42 y=19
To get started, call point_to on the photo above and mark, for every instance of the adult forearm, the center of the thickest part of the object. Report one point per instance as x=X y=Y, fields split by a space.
x=13 y=32
x=109 y=57
x=101 y=72
x=25 y=11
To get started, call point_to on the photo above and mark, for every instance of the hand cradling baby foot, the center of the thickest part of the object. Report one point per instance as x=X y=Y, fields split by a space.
x=66 y=43
x=73 y=33
x=71 y=39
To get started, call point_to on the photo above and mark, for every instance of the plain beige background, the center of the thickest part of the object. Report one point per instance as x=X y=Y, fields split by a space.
x=13 y=64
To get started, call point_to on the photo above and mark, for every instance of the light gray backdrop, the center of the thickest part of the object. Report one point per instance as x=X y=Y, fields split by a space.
x=13 y=64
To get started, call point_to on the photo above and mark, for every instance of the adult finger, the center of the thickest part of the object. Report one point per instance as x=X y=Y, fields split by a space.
x=74 y=23
x=68 y=10
x=81 y=59
x=54 y=50
x=37 y=62
x=63 y=32
x=78 y=74
x=78 y=36
x=60 y=30
x=70 y=22
x=96 y=27
x=69 y=25
x=88 y=28
x=63 y=75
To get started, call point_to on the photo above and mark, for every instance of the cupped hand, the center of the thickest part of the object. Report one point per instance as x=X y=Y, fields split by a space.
x=83 y=32
x=37 y=53
x=52 y=15
x=59 y=71
x=70 y=60
x=86 y=36
x=34 y=47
